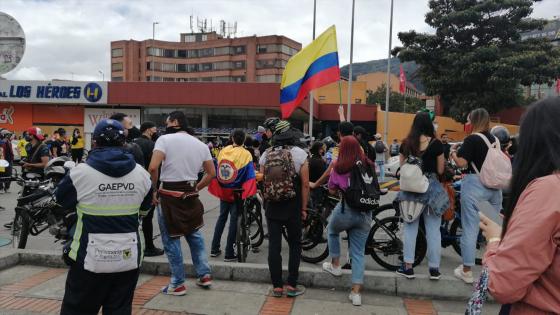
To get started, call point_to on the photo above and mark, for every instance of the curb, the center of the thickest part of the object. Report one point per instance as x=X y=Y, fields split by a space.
x=387 y=283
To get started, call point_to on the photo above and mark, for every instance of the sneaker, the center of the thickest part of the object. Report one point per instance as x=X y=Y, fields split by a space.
x=434 y=274
x=230 y=258
x=335 y=271
x=356 y=298
x=215 y=253
x=172 y=290
x=152 y=252
x=467 y=277
x=293 y=292
x=408 y=273
x=204 y=282
x=277 y=292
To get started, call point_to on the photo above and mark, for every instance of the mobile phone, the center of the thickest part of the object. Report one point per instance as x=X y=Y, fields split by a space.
x=488 y=210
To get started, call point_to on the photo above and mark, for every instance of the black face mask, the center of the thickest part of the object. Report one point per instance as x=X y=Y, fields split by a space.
x=154 y=137
x=27 y=138
x=174 y=129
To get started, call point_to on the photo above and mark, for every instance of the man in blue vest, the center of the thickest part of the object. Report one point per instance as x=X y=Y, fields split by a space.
x=110 y=192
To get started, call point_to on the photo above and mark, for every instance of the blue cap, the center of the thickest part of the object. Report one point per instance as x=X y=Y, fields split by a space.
x=109 y=132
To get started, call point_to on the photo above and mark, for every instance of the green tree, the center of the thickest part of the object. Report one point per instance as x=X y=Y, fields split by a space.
x=396 y=100
x=476 y=57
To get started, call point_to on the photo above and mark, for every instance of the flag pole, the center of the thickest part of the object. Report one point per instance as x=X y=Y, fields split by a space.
x=311 y=93
x=387 y=94
x=349 y=114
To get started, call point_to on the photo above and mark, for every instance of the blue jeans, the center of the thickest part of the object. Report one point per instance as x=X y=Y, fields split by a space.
x=381 y=170
x=432 y=223
x=172 y=247
x=226 y=208
x=357 y=224
x=472 y=192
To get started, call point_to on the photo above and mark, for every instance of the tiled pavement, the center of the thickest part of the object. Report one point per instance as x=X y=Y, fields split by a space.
x=39 y=290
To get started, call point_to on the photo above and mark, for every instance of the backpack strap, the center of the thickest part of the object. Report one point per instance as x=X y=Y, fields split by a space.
x=496 y=144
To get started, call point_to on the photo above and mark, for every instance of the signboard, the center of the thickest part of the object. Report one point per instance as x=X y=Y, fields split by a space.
x=59 y=92
x=12 y=43
x=16 y=117
x=94 y=115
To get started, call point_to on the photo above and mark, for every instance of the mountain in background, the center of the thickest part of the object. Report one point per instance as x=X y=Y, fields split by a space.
x=410 y=70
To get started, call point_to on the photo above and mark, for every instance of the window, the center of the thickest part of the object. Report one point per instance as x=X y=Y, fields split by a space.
x=168 y=79
x=182 y=53
x=118 y=66
x=239 y=65
x=261 y=49
x=117 y=52
x=224 y=65
x=239 y=50
x=238 y=79
x=192 y=53
x=207 y=79
x=206 y=67
x=269 y=78
x=181 y=68
x=208 y=52
x=116 y=79
x=192 y=68
x=190 y=38
x=169 y=67
x=169 y=53
x=219 y=51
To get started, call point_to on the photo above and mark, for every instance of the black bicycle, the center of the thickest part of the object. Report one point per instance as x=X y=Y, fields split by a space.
x=250 y=232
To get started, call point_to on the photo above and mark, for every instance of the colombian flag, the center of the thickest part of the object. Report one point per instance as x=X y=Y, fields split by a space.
x=313 y=67
x=234 y=169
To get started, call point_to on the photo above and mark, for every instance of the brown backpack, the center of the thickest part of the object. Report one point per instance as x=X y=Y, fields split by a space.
x=279 y=174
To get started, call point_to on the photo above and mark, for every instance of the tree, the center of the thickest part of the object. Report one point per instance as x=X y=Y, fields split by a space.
x=396 y=100
x=476 y=57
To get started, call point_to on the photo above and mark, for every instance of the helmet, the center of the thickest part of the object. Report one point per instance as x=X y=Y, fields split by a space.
x=109 y=133
x=5 y=133
x=56 y=169
x=329 y=142
x=281 y=127
x=502 y=134
x=36 y=132
x=270 y=123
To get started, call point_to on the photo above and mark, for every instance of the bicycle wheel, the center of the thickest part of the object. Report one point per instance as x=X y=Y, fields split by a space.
x=20 y=229
x=386 y=210
x=385 y=243
x=314 y=243
x=241 y=239
x=456 y=231
x=256 y=230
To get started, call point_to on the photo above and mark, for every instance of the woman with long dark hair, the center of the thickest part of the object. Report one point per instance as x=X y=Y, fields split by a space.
x=523 y=257
x=344 y=218
x=422 y=143
x=471 y=156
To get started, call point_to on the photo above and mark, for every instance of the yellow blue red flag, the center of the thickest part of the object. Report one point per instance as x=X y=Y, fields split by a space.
x=314 y=66
x=234 y=169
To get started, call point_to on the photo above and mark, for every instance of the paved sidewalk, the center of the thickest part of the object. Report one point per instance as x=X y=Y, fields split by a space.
x=39 y=290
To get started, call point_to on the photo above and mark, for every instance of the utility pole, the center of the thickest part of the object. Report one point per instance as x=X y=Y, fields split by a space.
x=153 y=48
x=387 y=94
x=349 y=113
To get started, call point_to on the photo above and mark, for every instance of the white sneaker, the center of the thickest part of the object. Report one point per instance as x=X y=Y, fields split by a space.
x=465 y=276
x=335 y=271
x=356 y=298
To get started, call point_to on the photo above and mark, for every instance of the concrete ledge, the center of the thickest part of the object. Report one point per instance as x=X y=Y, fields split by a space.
x=386 y=283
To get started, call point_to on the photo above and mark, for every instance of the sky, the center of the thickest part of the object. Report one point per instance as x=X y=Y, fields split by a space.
x=70 y=39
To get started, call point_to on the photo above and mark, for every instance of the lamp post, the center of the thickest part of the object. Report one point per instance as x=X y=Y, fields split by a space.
x=153 y=49
x=387 y=94
x=102 y=75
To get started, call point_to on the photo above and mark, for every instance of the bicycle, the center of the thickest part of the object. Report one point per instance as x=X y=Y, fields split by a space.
x=384 y=242
x=247 y=218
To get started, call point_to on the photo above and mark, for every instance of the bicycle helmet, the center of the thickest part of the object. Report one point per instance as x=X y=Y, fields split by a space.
x=109 y=133
x=270 y=123
x=502 y=134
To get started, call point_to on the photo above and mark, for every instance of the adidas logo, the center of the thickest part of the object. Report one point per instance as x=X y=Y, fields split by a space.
x=369 y=201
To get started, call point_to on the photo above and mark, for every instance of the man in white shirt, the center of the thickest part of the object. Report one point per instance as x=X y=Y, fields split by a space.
x=181 y=157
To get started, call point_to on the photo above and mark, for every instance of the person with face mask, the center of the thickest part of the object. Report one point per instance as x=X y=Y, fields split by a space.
x=131 y=147
x=148 y=130
x=77 y=142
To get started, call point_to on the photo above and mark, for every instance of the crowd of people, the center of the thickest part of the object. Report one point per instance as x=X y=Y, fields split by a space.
x=142 y=173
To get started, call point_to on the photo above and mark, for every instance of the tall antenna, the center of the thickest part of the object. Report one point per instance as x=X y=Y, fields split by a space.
x=192 y=28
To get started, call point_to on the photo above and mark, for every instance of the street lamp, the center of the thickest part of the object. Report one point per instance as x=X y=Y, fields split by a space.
x=102 y=75
x=153 y=49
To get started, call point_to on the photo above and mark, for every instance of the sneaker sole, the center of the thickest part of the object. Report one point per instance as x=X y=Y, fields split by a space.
x=467 y=281
x=405 y=275
x=435 y=278
x=175 y=293
x=205 y=285
x=332 y=273
x=230 y=260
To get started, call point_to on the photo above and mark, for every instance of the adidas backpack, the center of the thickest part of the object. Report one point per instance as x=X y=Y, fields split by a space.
x=363 y=189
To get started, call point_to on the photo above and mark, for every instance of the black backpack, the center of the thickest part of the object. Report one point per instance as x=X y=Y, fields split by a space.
x=363 y=191
x=379 y=146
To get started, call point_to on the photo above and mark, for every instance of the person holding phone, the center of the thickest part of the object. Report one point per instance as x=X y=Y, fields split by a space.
x=523 y=255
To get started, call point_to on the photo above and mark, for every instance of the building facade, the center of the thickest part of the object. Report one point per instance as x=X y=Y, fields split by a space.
x=202 y=57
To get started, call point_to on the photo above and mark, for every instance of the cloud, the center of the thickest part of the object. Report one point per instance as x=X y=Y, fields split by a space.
x=68 y=38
